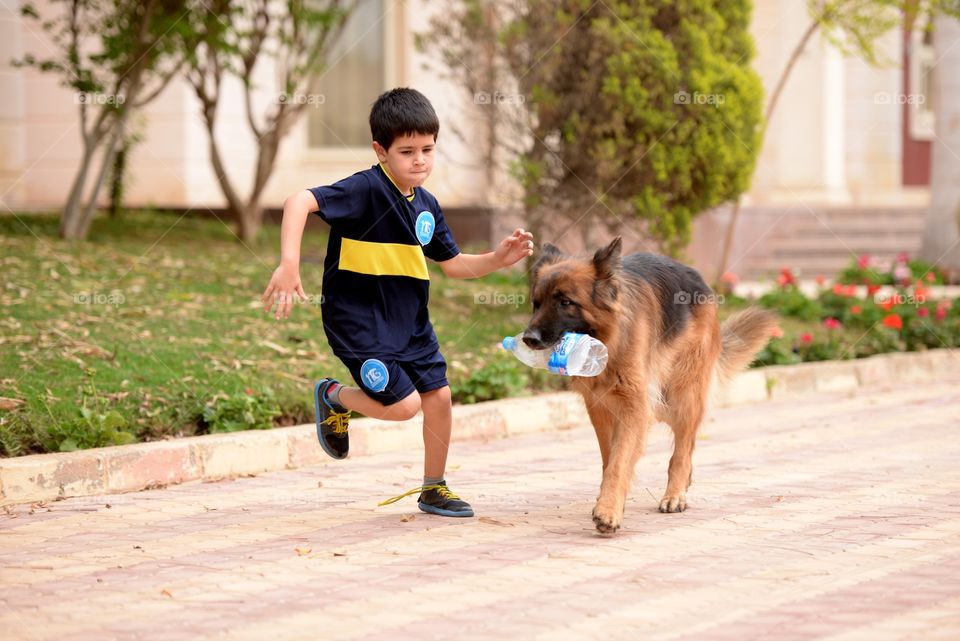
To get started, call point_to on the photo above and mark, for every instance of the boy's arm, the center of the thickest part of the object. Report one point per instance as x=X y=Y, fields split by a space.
x=511 y=249
x=285 y=282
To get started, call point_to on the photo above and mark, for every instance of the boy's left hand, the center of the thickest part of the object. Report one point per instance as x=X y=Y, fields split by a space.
x=514 y=247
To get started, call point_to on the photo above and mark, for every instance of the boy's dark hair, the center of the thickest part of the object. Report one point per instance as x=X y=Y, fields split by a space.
x=400 y=112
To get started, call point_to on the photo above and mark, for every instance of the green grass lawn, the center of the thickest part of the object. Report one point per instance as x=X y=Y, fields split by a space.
x=153 y=329
x=157 y=316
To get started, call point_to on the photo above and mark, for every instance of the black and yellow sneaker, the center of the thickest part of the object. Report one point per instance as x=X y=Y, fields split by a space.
x=436 y=499
x=332 y=421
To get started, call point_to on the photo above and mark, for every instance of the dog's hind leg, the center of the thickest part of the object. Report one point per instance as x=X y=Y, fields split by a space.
x=686 y=400
x=627 y=443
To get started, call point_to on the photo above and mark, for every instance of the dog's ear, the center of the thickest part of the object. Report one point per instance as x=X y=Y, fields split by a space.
x=549 y=254
x=606 y=260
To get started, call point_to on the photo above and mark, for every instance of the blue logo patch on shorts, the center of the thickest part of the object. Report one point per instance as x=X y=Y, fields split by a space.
x=375 y=375
x=425 y=227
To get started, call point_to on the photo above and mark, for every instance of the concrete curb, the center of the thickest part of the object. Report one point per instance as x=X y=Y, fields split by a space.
x=44 y=477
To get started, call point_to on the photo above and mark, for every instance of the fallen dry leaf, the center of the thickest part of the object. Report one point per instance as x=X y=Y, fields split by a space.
x=10 y=403
x=487 y=519
x=166 y=593
x=303 y=551
x=406 y=518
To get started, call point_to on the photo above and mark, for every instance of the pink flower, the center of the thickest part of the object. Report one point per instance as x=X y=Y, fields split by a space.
x=864 y=261
x=776 y=332
x=901 y=273
x=923 y=312
x=821 y=279
x=806 y=338
x=930 y=277
x=903 y=257
x=831 y=323
x=941 y=313
x=248 y=392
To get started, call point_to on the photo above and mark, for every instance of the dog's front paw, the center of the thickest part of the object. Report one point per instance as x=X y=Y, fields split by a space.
x=607 y=519
x=673 y=503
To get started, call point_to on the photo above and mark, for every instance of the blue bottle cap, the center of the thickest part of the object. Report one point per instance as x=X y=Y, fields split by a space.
x=509 y=343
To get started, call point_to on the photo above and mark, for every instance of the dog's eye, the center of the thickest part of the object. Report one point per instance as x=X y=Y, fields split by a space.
x=565 y=302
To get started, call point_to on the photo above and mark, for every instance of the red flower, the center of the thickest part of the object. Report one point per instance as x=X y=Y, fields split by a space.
x=855 y=310
x=863 y=262
x=821 y=279
x=850 y=290
x=872 y=289
x=831 y=323
x=893 y=321
x=923 y=312
x=730 y=278
x=776 y=332
x=838 y=289
x=806 y=338
x=248 y=392
x=888 y=303
x=930 y=277
x=941 y=313
x=786 y=277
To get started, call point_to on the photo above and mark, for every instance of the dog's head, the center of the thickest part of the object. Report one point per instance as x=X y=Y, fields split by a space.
x=572 y=294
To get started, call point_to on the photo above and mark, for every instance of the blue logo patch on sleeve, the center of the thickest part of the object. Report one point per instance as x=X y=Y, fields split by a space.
x=425 y=226
x=375 y=375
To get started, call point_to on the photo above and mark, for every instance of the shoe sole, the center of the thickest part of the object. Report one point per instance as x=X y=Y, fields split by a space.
x=317 y=407
x=430 y=509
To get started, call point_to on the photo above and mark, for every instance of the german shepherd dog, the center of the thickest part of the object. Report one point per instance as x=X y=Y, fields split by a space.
x=658 y=319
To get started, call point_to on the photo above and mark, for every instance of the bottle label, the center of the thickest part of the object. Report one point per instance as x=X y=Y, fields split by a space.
x=558 y=359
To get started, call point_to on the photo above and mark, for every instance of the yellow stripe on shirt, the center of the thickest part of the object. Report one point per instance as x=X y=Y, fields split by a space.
x=383 y=259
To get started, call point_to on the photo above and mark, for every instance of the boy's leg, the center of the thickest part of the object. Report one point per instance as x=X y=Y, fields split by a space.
x=389 y=395
x=437 y=423
x=354 y=398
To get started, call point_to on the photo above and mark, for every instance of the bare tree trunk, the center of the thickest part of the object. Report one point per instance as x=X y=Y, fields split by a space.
x=69 y=221
x=83 y=223
x=941 y=235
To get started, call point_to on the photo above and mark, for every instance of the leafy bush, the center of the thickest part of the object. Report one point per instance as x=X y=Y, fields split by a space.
x=240 y=411
x=98 y=425
x=867 y=270
x=93 y=428
x=788 y=300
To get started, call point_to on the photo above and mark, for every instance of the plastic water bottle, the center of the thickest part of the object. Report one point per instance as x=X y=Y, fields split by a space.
x=574 y=355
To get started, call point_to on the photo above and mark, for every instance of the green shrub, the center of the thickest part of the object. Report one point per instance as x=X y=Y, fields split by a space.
x=790 y=301
x=93 y=428
x=240 y=411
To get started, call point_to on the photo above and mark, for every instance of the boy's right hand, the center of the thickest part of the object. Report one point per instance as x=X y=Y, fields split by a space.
x=283 y=286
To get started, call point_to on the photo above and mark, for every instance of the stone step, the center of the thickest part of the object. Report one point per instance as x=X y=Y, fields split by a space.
x=804 y=246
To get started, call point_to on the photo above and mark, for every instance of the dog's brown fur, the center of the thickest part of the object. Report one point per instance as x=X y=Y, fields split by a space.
x=661 y=360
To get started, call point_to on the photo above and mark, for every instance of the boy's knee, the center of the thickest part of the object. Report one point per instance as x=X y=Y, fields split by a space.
x=407 y=408
x=441 y=395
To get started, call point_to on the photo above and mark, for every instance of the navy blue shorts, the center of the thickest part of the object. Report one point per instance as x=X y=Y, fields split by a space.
x=389 y=381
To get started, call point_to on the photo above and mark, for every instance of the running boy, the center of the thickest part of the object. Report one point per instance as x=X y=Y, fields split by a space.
x=376 y=287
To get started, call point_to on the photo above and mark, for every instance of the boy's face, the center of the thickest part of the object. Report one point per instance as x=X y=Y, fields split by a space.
x=409 y=159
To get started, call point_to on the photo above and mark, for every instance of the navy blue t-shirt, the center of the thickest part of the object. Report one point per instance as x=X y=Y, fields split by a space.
x=375 y=281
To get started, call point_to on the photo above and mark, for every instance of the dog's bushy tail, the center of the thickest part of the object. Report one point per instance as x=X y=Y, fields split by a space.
x=741 y=337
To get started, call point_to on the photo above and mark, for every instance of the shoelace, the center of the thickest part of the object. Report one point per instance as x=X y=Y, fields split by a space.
x=441 y=490
x=338 y=421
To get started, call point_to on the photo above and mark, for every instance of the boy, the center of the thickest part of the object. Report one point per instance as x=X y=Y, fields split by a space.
x=376 y=287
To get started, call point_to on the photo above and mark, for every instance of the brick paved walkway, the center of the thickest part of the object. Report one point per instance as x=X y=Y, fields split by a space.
x=837 y=518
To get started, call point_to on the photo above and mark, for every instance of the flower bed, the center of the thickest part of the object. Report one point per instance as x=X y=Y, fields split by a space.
x=869 y=310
